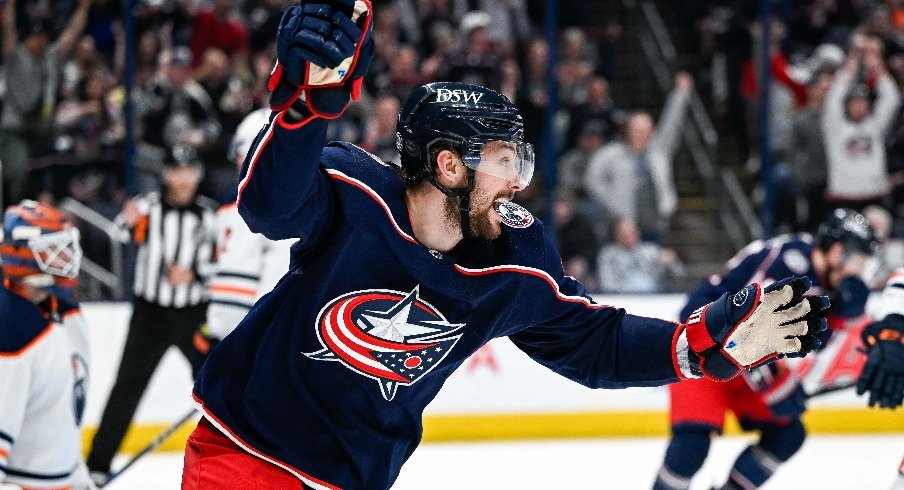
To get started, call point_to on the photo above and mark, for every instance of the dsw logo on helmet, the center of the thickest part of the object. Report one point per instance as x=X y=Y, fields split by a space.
x=458 y=95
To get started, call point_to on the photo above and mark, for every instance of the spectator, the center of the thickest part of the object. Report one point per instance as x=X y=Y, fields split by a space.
x=574 y=67
x=854 y=132
x=89 y=130
x=632 y=179
x=577 y=242
x=215 y=28
x=596 y=106
x=380 y=132
x=573 y=164
x=477 y=61
x=84 y=62
x=174 y=233
x=403 y=72
x=442 y=37
x=632 y=266
x=179 y=110
x=533 y=95
x=33 y=70
x=262 y=24
x=809 y=168
x=509 y=24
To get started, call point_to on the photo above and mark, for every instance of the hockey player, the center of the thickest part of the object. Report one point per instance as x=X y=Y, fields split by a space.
x=248 y=264
x=401 y=273
x=883 y=374
x=43 y=351
x=771 y=398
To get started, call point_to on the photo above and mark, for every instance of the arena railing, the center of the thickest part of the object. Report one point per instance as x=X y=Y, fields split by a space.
x=93 y=274
x=734 y=209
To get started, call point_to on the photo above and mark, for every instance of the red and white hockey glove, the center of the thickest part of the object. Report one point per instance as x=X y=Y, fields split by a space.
x=753 y=326
x=323 y=50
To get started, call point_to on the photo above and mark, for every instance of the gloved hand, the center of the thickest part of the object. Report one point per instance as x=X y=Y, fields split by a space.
x=780 y=387
x=883 y=374
x=754 y=326
x=323 y=50
x=850 y=298
x=204 y=342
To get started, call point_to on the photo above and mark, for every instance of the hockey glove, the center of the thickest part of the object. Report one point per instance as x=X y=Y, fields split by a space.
x=883 y=374
x=780 y=387
x=323 y=50
x=850 y=298
x=754 y=326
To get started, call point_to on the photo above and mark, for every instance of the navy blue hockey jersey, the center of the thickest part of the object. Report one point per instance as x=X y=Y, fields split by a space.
x=763 y=261
x=328 y=375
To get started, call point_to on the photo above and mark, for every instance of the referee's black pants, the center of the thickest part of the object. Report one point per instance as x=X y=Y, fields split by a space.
x=152 y=330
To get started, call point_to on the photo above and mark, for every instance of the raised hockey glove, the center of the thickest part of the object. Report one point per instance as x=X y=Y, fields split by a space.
x=323 y=50
x=883 y=374
x=753 y=326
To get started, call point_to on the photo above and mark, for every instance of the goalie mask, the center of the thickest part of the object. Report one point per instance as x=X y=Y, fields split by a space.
x=40 y=247
x=467 y=119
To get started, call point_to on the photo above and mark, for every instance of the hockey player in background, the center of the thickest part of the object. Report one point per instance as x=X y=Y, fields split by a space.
x=248 y=264
x=402 y=272
x=43 y=351
x=771 y=398
x=883 y=374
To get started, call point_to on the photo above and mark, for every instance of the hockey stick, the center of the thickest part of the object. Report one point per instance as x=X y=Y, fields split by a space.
x=153 y=445
x=825 y=390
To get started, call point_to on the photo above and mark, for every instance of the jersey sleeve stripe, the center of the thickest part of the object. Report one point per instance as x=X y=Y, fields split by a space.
x=304 y=477
x=30 y=344
x=254 y=158
x=6 y=437
x=233 y=290
x=227 y=207
x=532 y=272
x=35 y=476
x=335 y=174
x=238 y=275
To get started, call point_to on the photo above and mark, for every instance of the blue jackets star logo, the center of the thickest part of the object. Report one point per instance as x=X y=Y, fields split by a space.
x=393 y=337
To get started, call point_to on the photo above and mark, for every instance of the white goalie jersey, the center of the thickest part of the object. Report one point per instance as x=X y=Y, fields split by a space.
x=43 y=387
x=248 y=266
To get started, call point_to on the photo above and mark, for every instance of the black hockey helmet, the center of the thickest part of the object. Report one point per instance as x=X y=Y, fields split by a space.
x=462 y=117
x=849 y=228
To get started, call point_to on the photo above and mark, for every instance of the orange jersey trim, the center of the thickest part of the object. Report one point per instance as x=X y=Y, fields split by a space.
x=234 y=290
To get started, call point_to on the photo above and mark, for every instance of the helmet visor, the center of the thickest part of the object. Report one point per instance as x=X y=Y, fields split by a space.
x=58 y=253
x=512 y=161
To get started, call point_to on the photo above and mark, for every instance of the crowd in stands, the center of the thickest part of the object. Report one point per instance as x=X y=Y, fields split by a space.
x=836 y=73
x=200 y=68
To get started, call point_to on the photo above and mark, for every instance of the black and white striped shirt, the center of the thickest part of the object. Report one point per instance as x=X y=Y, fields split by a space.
x=180 y=236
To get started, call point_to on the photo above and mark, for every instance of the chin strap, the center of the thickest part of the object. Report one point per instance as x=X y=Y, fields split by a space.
x=464 y=201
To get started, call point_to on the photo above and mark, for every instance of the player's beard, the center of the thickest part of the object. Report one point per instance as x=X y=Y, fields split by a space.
x=482 y=224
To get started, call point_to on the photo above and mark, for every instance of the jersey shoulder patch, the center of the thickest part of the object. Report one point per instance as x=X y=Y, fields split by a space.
x=20 y=323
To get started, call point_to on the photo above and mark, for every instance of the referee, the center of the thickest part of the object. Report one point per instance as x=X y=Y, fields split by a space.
x=174 y=233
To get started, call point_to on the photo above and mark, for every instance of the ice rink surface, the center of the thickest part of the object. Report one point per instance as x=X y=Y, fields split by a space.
x=824 y=463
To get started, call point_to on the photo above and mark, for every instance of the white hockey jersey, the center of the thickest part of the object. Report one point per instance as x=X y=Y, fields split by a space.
x=44 y=361
x=248 y=266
